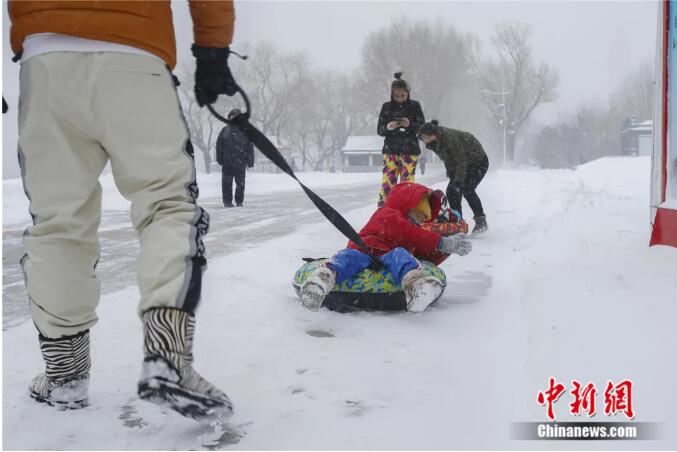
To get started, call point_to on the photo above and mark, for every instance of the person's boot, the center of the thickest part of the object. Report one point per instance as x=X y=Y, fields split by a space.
x=65 y=382
x=228 y=204
x=316 y=287
x=168 y=378
x=480 y=225
x=420 y=290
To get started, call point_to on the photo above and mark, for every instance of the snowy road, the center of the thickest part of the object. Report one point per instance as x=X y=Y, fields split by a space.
x=563 y=285
x=264 y=216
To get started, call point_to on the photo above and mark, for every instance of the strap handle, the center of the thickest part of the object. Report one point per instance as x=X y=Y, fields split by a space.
x=273 y=154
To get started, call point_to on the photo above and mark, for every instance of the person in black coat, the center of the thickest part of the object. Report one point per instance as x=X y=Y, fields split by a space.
x=235 y=153
x=399 y=122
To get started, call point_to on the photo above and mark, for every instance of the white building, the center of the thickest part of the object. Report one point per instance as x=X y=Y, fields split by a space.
x=637 y=137
x=362 y=154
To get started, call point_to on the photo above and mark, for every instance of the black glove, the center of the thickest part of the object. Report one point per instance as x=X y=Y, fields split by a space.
x=212 y=75
x=4 y=106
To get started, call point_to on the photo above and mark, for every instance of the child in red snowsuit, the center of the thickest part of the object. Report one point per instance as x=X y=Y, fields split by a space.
x=395 y=235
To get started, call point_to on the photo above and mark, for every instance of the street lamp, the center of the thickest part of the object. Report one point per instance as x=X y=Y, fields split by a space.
x=503 y=122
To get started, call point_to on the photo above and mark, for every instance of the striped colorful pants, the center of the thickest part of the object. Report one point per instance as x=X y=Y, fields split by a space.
x=394 y=166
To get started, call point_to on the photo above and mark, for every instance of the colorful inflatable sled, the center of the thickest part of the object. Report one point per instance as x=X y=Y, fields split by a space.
x=371 y=290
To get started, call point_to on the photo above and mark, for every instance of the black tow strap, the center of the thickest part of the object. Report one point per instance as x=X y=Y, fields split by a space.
x=268 y=149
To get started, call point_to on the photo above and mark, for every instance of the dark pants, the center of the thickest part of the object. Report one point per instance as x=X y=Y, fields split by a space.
x=228 y=174
x=474 y=176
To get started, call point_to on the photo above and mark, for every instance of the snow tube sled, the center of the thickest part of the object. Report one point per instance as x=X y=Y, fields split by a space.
x=370 y=290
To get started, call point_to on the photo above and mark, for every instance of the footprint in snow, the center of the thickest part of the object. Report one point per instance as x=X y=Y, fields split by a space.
x=355 y=408
x=223 y=436
x=129 y=417
x=319 y=333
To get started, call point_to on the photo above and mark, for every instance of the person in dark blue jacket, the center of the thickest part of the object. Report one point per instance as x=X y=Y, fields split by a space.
x=235 y=153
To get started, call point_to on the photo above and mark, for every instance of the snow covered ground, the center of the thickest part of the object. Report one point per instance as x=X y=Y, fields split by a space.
x=15 y=204
x=274 y=206
x=563 y=285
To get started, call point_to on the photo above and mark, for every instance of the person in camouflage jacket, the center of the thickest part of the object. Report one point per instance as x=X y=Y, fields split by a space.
x=466 y=164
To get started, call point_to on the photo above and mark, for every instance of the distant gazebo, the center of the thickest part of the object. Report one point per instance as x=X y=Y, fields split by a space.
x=362 y=154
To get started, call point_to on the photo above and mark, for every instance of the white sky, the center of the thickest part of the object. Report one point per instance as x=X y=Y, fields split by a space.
x=592 y=45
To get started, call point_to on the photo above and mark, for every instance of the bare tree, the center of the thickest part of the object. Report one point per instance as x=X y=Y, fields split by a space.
x=329 y=107
x=433 y=58
x=301 y=116
x=272 y=78
x=595 y=131
x=329 y=114
x=634 y=97
x=321 y=117
x=348 y=114
x=514 y=84
x=316 y=111
x=204 y=128
x=589 y=134
x=320 y=111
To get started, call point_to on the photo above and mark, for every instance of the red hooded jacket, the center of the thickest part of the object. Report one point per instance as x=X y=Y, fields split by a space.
x=390 y=227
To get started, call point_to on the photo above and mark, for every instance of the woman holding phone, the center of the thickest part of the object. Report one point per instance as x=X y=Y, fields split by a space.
x=399 y=122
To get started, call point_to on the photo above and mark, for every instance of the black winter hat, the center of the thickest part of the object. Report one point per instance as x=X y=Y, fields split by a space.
x=398 y=83
x=429 y=128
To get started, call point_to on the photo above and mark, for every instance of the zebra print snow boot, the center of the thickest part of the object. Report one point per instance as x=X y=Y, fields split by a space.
x=420 y=290
x=316 y=287
x=65 y=382
x=168 y=378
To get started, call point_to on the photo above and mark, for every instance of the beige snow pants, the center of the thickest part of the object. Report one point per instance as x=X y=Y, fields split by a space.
x=76 y=112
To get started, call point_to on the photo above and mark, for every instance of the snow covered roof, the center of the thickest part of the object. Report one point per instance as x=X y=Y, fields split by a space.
x=643 y=126
x=363 y=143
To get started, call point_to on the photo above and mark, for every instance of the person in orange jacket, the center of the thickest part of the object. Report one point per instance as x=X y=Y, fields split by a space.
x=96 y=87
